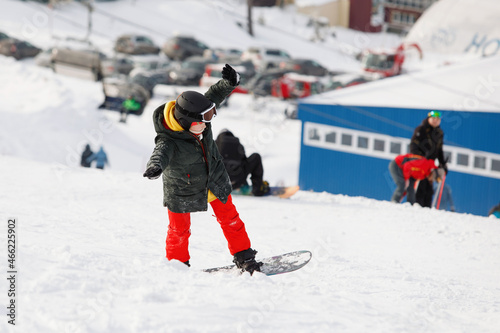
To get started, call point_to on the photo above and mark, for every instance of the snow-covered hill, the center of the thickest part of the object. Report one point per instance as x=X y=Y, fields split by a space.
x=90 y=251
x=91 y=259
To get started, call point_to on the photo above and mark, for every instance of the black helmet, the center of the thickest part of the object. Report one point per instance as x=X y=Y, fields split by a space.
x=190 y=107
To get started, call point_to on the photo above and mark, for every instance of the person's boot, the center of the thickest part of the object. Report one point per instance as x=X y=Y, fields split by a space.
x=261 y=189
x=245 y=260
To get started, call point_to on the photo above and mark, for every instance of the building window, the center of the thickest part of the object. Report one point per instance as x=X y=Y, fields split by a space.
x=396 y=16
x=346 y=139
x=447 y=156
x=479 y=162
x=363 y=142
x=495 y=165
x=331 y=137
x=313 y=134
x=462 y=159
x=378 y=145
x=396 y=148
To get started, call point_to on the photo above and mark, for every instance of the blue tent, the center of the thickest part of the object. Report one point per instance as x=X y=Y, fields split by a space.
x=350 y=135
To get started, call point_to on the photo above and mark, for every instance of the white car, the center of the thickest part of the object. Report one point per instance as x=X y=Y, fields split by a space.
x=265 y=57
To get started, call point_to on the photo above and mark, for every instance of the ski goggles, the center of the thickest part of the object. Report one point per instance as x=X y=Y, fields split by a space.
x=434 y=114
x=209 y=114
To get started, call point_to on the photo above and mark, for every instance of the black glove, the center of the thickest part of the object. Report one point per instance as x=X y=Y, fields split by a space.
x=153 y=172
x=231 y=75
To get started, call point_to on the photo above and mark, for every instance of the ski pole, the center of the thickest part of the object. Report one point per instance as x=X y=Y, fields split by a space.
x=441 y=191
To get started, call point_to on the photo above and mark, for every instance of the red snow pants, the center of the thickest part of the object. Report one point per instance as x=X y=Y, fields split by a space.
x=179 y=230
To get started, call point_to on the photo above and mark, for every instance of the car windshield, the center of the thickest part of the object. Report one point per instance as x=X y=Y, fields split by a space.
x=277 y=53
x=378 y=61
x=193 y=65
x=145 y=40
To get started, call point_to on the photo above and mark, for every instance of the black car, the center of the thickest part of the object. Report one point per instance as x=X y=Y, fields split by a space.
x=182 y=47
x=305 y=67
x=149 y=79
x=190 y=71
x=18 y=49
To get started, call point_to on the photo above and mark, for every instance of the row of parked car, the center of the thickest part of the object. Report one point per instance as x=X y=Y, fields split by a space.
x=138 y=65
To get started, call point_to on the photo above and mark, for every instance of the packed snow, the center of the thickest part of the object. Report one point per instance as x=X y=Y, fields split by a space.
x=91 y=243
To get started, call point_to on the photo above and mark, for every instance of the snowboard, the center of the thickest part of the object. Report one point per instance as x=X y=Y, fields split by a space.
x=283 y=192
x=280 y=264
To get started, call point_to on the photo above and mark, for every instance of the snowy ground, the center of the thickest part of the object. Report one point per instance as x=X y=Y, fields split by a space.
x=90 y=251
x=91 y=259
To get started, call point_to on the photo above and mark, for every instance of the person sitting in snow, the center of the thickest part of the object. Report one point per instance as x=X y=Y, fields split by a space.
x=100 y=158
x=405 y=169
x=239 y=166
x=129 y=105
x=194 y=175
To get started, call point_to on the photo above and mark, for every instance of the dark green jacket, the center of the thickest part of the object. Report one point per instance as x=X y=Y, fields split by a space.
x=190 y=166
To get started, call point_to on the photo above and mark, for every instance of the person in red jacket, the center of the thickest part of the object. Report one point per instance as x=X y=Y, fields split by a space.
x=405 y=170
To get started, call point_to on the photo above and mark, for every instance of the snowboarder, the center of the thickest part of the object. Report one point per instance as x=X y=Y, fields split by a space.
x=100 y=158
x=427 y=141
x=239 y=166
x=193 y=172
x=405 y=169
x=85 y=155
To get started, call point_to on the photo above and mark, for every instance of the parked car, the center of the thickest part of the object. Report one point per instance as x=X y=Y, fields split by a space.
x=213 y=73
x=190 y=71
x=116 y=65
x=117 y=90
x=82 y=63
x=149 y=79
x=229 y=55
x=261 y=83
x=148 y=63
x=18 y=49
x=305 y=67
x=265 y=57
x=182 y=47
x=136 y=44
x=293 y=85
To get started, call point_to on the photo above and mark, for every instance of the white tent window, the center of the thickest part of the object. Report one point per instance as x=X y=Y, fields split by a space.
x=331 y=137
x=480 y=162
x=379 y=145
x=462 y=159
x=346 y=139
x=363 y=142
x=495 y=165
x=395 y=148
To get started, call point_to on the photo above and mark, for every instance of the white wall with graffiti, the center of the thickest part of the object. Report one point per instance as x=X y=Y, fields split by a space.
x=467 y=27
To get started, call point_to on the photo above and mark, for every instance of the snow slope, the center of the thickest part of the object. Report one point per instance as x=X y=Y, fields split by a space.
x=90 y=251
x=91 y=259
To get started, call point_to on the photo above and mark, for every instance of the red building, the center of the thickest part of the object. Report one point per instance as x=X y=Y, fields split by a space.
x=360 y=14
